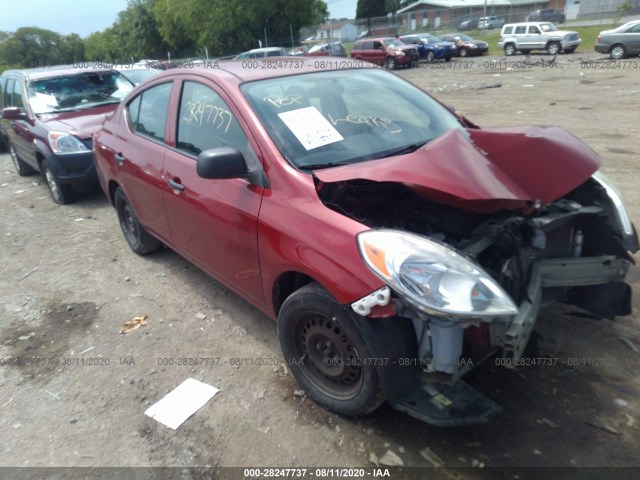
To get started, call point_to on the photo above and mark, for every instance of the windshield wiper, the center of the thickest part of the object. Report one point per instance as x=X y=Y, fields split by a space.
x=317 y=166
x=404 y=150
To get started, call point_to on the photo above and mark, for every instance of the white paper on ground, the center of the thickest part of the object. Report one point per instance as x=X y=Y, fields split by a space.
x=310 y=127
x=182 y=402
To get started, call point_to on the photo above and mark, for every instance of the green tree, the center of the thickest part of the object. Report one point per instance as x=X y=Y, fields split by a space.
x=371 y=8
x=32 y=47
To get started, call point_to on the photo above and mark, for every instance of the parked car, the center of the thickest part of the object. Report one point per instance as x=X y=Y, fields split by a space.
x=48 y=116
x=546 y=15
x=465 y=45
x=334 y=49
x=388 y=51
x=136 y=74
x=262 y=52
x=489 y=23
x=431 y=47
x=528 y=36
x=621 y=41
x=471 y=24
x=396 y=243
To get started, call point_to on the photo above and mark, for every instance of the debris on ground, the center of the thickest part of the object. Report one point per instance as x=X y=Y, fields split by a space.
x=391 y=459
x=135 y=322
x=431 y=457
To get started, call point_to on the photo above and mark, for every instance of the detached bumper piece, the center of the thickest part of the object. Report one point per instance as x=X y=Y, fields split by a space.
x=448 y=405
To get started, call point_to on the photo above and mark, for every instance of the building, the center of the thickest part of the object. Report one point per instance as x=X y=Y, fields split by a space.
x=341 y=31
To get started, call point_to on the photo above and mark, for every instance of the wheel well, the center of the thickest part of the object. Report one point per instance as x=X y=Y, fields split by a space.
x=285 y=285
x=39 y=159
x=616 y=45
x=112 y=191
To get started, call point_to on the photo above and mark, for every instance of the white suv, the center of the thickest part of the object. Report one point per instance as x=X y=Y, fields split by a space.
x=528 y=36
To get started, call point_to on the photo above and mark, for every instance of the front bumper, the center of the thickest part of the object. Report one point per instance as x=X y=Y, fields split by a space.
x=512 y=336
x=74 y=168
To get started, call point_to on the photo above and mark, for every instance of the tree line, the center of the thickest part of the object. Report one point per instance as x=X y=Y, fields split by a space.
x=152 y=28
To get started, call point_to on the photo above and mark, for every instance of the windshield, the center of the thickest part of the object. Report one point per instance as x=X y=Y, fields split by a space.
x=394 y=42
x=464 y=37
x=319 y=48
x=323 y=119
x=432 y=38
x=548 y=27
x=77 y=92
x=138 y=75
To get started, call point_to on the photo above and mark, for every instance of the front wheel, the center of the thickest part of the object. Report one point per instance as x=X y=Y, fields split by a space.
x=430 y=57
x=61 y=193
x=326 y=352
x=617 y=52
x=553 y=48
x=509 y=49
x=463 y=52
x=137 y=237
x=390 y=63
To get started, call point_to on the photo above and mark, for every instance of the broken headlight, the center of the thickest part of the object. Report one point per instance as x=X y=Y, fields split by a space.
x=627 y=231
x=432 y=276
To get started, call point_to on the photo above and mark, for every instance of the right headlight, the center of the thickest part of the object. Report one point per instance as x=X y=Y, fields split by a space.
x=432 y=276
x=63 y=142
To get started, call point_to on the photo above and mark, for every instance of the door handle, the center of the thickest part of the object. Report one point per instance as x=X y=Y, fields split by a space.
x=119 y=158
x=175 y=185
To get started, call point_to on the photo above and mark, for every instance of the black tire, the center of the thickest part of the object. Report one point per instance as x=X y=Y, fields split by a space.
x=22 y=168
x=447 y=58
x=553 y=48
x=62 y=194
x=430 y=56
x=617 y=52
x=509 y=49
x=463 y=52
x=390 y=63
x=324 y=349
x=140 y=241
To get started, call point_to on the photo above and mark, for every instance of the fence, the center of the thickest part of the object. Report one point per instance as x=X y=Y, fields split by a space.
x=439 y=19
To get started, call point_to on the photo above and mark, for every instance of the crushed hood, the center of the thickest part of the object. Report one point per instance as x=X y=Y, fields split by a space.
x=484 y=170
x=81 y=123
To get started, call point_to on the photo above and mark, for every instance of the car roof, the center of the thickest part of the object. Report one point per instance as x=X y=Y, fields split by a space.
x=368 y=39
x=55 y=71
x=234 y=72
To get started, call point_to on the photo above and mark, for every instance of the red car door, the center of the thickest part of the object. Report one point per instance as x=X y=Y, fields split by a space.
x=214 y=223
x=139 y=156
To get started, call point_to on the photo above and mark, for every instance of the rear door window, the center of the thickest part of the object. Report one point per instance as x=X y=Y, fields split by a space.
x=147 y=113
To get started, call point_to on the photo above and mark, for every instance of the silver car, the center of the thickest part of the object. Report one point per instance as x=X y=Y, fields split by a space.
x=620 y=42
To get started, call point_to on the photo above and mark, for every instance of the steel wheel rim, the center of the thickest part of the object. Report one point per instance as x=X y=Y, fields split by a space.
x=331 y=360
x=129 y=224
x=53 y=185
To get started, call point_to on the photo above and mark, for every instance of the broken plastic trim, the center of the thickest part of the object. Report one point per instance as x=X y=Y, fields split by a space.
x=561 y=272
x=365 y=304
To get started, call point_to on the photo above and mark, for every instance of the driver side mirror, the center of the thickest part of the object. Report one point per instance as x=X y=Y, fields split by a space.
x=12 y=113
x=225 y=163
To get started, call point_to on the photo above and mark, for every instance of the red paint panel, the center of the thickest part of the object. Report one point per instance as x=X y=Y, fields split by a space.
x=485 y=170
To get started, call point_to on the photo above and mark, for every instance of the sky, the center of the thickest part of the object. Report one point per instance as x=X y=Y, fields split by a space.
x=87 y=16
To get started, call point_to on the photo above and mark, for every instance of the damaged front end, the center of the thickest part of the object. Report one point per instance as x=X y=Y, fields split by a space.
x=471 y=266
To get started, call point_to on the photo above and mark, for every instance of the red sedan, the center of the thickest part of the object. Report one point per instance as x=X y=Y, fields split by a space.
x=391 y=239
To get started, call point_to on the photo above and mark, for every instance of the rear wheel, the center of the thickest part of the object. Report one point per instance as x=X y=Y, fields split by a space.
x=326 y=352
x=509 y=49
x=463 y=52
x=21 y=167
x=61 y=193
x=553 y=48
x=617 y=52
x=137 y=237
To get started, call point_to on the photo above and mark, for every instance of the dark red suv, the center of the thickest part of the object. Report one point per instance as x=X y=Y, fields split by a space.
x=388 y=51
x=48 y=116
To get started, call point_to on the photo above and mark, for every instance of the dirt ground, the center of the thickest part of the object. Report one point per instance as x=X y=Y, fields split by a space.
x=77 y=396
